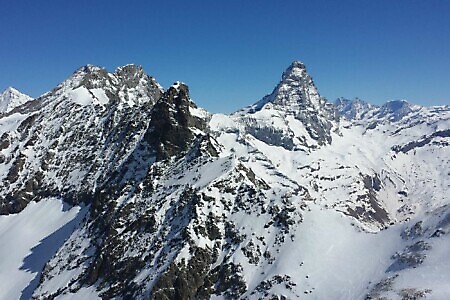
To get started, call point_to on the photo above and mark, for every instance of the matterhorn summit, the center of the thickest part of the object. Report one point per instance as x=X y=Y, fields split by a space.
x=12 y=98
x=295 y=91
x=294 y=108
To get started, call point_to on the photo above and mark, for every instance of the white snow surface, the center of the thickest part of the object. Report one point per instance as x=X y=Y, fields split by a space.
x=81 y=96
x=12 y=98
x=11 y=122
x=100 y=96
x=29 y=239
x=198 y=112
x=330 y=258
x=88 y=293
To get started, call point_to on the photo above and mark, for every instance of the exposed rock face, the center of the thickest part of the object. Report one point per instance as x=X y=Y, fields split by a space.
x=295 y=92
x=294 y=100
x=71 y=139
x=171 y=122
x=270 y=202
x=396 y=110
x=356 y=109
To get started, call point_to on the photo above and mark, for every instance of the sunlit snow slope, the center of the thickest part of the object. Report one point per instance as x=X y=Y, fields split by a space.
x=28 y=240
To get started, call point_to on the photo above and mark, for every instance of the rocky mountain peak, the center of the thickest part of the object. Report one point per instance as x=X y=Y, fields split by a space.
x=132 y=75
x=295 y=71
x=129 y=71
x=179 y=86
x=397 y=105
x=11 y=98
x=177 y=96
x=395 y=110
x=128 y=84
x=297 y=97
x=92 y=77
x=100 y=114
x=85 y=75
x=87 y=69
x=354 y=109
x=391 y=111
x=11 y=90
x=295 y=92
x=172 y=126
x=178 y=93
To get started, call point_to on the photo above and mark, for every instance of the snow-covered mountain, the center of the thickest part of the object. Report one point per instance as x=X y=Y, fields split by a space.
x=294 y=115
x=355 y=109
x=113 y=187
x=12 y=98
x=68 y=141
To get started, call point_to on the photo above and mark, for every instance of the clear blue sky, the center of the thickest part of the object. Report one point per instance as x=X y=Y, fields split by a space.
x=231 y=53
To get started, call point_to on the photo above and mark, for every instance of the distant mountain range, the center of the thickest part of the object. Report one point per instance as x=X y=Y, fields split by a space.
x=113 y=187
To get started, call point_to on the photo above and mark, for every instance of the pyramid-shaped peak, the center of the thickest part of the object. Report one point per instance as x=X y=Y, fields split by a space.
x=11 y=90
x=294 y=92
x=297 y=64
x=12 y=98
x=296 y=70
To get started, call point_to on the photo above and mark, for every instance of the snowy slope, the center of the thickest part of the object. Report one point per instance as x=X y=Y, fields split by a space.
x=29 y=240
x=283 y=199
x=12 y=98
